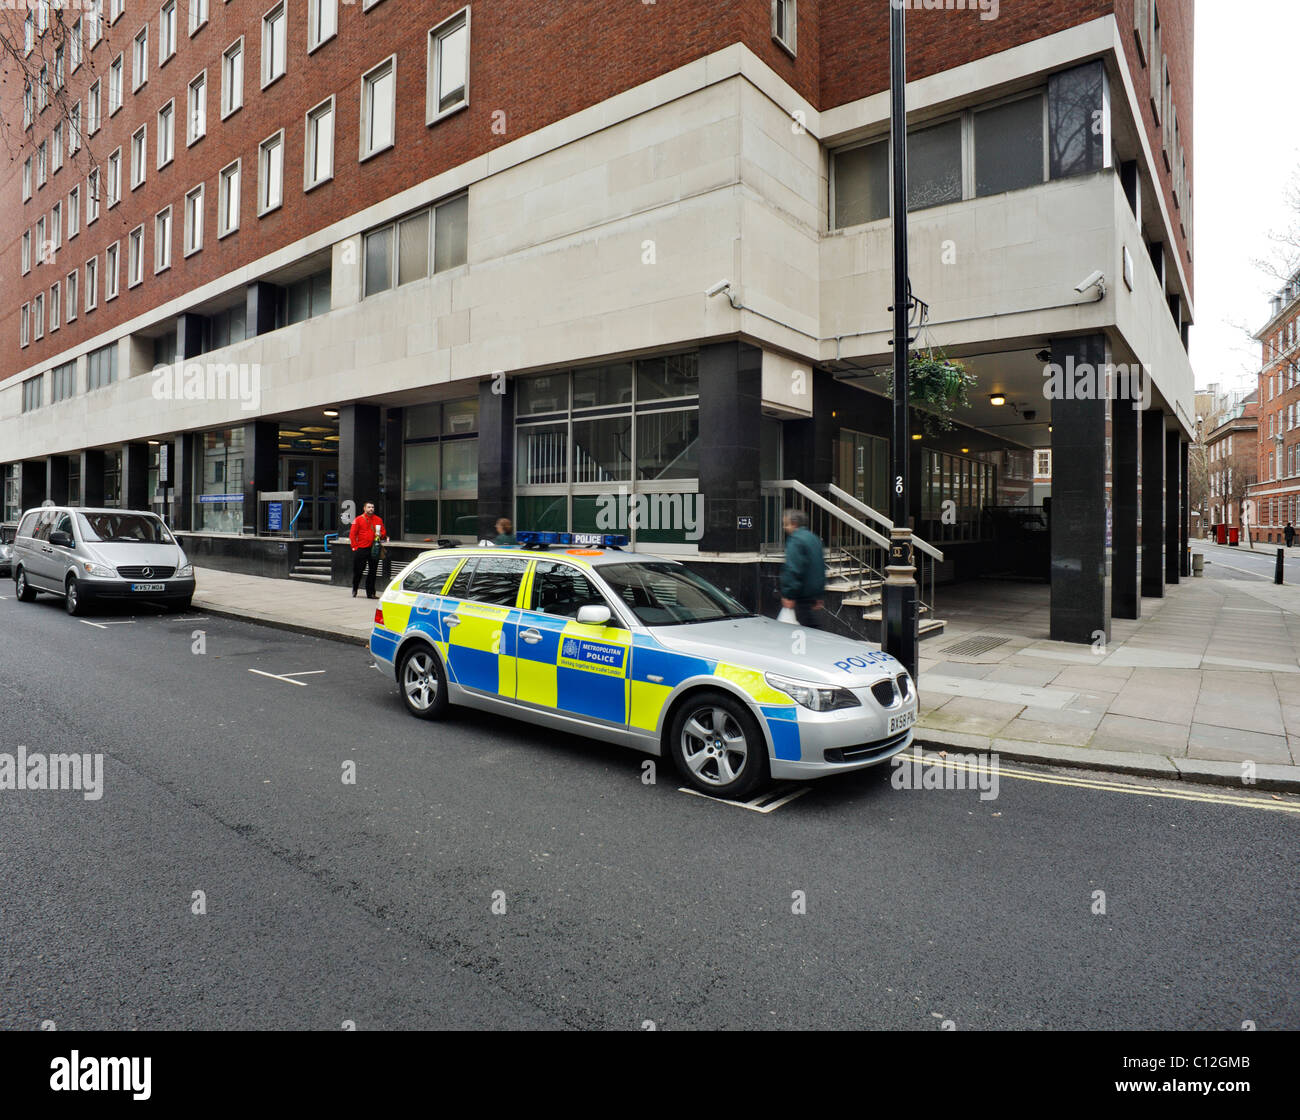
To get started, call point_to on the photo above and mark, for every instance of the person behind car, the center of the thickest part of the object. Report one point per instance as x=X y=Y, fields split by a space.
x=505 y=537
x=803 y=577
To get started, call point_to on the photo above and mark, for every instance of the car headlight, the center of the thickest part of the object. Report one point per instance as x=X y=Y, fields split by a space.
x=820 y=698
x=185 y=570
x=97 y=570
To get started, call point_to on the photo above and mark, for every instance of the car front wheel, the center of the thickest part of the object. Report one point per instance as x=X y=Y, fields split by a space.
x=718 y=746
x=72 y=599
x=25 y=591
x=423 y=683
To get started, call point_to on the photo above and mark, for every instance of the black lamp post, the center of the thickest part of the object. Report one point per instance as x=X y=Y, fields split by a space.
x=899 y=595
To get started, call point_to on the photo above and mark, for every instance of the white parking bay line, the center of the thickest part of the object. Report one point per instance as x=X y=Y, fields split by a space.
x=106 y=625
x=288 y=677
x=767 y=802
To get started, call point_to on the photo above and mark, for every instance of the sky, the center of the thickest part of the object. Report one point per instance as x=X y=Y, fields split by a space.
x=1247 y=155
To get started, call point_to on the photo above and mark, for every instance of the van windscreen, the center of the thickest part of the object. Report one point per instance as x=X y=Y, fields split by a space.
x=105 y=528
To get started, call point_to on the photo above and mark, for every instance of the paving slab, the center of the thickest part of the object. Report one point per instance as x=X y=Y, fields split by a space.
x=1220 y=743
x=1124 y=733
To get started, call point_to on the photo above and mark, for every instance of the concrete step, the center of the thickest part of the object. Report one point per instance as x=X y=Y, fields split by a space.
x=309 y=577
x=312 y=562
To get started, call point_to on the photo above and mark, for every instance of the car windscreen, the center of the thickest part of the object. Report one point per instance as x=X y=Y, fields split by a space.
x=114 y=528
x=663 y=594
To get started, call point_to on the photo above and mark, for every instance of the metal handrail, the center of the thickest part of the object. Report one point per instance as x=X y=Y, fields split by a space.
x=862 y=507
x=834 y=510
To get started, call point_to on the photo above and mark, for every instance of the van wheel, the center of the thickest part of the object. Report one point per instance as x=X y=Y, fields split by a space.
x=423 y=683
x=25 y=591
x=72 y=597
x=718 y=746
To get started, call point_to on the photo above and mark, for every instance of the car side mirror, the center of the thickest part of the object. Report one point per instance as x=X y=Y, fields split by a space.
x=63 y=540
x=593 y=615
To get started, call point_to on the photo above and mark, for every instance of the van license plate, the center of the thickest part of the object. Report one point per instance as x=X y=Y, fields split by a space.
x=901 y=721
x=148 y=587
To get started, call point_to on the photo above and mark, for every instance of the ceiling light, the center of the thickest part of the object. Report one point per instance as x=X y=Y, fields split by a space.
x=332 y=413
x=916 y=435
x=997 y=399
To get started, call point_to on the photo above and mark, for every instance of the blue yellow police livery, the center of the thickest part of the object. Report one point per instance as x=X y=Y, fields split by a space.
x=574 y=633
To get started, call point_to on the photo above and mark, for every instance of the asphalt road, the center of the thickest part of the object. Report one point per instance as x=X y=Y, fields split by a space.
x=624 y=902
x=1228 y=562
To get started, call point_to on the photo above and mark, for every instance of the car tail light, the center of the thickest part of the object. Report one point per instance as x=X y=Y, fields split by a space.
x=379 y=615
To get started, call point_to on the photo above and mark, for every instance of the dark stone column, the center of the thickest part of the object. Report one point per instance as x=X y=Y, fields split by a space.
x=731 y=406
x=92 y=478
x=261 y=466
x=496 y=454
x=1126 y=601
x=135 y=475
x=1173 y=515
x=808 y=446
x=390 y=498
x=359 y=435
x=189 y=335
x=1185 y=557
x=262 y=299
x=1153 y=503
x=32 y=483
x=1080 y=552
x=56 y=479
x=182 y=481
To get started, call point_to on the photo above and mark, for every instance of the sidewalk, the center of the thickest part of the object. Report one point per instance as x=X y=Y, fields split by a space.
x=1205 y=682
x=1209 y=677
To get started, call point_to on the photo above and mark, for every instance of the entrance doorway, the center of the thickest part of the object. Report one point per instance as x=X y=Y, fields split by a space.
x=864 y=468
x=315 y=479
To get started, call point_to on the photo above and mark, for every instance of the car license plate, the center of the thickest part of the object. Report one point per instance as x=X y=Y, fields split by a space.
x=902 y=721
x=148 y=587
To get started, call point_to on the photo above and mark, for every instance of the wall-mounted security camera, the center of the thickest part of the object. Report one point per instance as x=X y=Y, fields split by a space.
x=717 y=289
x=1095 y=279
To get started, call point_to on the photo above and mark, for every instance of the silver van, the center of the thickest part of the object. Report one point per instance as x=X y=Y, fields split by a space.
x=87 y=555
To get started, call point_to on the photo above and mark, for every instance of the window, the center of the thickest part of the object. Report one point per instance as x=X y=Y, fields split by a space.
x=92 y=284
x=74 y=212
x=785 y=22
x=1078 y=111
x=27 y=251
x=74 y=129
x=274 y=43
x=42 y=246
x=56 y=305
x=166 y=31
x=270 y=174
x=56 y=148
x=94 y=21
x=24 y=325
x=318 y=157
x=29 y=106
x=198 y=14
x=32 y=388
x=74 y=45
x=140 y=58
x=92 y=110
x=38 y=318
x=322 y=22
x=70 y=286
x=197 y=114
x=101 y=367
x=115 y=85
x=1157 y=55
x=166 y=133
x=138 y=148
x=56 y=228
x=58 y=68
x=110 y=271
x=162 y=240
x=228 y=200
x=43 y=89
x=400 y=252
x=194 y=220
x=27 y=178
x=135 y=257
x=934 y=165
x=29 y=34
x=232 y=78
x=92 y=196
x=41 y=165
x=448 y=87
x=377 y=88
x=115 y=10
x=63 y=380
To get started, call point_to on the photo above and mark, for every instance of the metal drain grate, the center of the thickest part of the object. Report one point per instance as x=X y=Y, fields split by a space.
x=972 y=647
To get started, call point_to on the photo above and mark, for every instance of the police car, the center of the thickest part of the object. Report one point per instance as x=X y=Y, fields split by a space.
x=572 y=632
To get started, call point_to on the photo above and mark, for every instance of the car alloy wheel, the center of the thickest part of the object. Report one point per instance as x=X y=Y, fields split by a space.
x=422 y=682
x=718 y=746
x=72 y=597
x=22 y=589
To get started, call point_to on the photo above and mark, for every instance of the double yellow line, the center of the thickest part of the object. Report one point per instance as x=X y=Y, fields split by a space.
x=1189 y=794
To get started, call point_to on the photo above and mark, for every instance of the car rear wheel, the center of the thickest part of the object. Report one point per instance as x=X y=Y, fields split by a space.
x=72 y=599
x=25 y=592
x=423 y=683
x=718 y=746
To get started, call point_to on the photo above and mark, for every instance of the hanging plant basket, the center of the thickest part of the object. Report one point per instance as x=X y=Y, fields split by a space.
x=937 y=387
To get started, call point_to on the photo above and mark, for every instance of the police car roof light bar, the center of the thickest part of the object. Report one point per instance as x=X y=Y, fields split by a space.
x=534 y=538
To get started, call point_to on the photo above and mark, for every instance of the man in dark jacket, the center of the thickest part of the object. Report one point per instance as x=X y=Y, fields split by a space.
x=803 y=578
x=1289 y=534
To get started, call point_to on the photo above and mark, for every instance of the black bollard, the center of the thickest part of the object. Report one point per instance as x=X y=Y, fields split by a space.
x=1277 y=569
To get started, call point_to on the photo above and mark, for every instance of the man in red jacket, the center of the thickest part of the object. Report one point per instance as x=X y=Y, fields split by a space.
x=365 y=531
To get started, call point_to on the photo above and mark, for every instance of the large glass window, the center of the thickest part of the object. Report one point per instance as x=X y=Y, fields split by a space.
x=934 y=165
x=1078 y=112
x=219 y=481
x=440 y=469
x=400 y=252
x=1009 y=146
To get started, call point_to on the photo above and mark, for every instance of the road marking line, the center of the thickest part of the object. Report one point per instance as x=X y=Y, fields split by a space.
x=753 y=806
x=196 y=618
x=1106 y=786
x=1253 y=610
x=288 y=677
